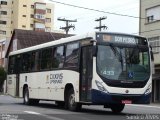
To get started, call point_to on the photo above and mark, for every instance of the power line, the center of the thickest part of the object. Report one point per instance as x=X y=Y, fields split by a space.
x=96 y=10
x=122 y=5
x=105 y=12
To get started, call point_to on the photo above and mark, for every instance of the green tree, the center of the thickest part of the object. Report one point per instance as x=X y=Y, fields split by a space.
x=2 y=77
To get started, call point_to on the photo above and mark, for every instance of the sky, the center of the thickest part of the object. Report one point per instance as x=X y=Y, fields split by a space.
x=86 y=18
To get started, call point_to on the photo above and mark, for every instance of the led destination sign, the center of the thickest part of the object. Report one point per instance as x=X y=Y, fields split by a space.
x=128 y=40
x=123 y=39
x=120 y=39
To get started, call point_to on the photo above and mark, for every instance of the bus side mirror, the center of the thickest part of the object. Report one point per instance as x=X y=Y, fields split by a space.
x=152 y=56
x=151 y=52
x=94 y=51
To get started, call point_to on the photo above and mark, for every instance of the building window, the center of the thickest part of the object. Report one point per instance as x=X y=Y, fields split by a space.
x=32 y=16
x=150 y=19
x=24 y=5
x=48 y=20
x=39 y=16
x=152 y=14
x=23 y=26
x=11 y=22
x=48 y=10
x=31 y=25
x=3 y=12
x=48 y=29
x=3 y=22
x=11 y=32
x=24 y=15
x=155 y=43
x=12 y=2
x=2 y=32
x=3 y=3
x=32 y=6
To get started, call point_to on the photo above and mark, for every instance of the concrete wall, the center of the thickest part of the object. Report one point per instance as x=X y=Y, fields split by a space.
x=153 y=28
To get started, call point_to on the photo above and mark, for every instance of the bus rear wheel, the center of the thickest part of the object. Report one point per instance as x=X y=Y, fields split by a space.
x=72 y=105
x=27 y=100
x=117 y=108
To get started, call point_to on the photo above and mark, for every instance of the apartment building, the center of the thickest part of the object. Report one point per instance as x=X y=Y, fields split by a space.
x=149 y=26
x=25 y=14
x=2 y=53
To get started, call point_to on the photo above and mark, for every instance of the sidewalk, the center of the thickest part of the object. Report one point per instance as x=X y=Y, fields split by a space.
x=155 y=104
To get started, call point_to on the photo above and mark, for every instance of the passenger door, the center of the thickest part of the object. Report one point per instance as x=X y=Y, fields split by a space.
x=17 y=71
x=86 y=66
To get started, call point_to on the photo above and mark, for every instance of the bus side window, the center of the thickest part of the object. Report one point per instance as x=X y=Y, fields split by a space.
x=32 y=62
x=58 y=57
x=26 y=62
x=11 y=66
x=72 y=55
x=37 y=60
x=46 y=59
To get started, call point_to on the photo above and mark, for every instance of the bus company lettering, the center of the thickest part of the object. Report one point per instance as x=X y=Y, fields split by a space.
x=128 y=40
x=56 y=78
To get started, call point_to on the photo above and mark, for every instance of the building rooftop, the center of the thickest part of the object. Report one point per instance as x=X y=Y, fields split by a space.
x=28 y=38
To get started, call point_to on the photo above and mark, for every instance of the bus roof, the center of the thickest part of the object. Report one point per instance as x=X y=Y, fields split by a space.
x=63 y=40
x=56 y=42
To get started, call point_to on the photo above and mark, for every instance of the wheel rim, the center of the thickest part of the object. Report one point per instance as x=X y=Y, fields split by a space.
x=72 y=100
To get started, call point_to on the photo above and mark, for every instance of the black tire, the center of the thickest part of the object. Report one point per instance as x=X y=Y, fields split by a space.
x=27 y=100
x=117 y=108
x=71 y=104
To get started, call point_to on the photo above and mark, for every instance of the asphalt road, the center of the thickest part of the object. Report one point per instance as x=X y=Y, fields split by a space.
x=13 y=109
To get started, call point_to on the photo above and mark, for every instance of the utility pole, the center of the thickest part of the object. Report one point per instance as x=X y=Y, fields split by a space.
x=68 y=26
x=100 y=23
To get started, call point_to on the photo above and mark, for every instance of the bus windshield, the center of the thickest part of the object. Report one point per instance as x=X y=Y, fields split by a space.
x=123 y=63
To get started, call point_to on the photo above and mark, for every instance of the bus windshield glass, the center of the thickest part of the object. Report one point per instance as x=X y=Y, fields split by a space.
x=123 y=63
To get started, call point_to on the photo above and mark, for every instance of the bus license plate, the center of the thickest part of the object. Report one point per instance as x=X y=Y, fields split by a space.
x=126 y=102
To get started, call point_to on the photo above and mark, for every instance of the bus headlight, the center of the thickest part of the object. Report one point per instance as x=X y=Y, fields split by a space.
x=148 y=90
x=100 y=86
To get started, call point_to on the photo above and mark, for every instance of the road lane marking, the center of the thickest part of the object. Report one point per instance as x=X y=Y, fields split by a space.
x=52 y=117
x=150 y=106
x=46 y=116
x=32 y=112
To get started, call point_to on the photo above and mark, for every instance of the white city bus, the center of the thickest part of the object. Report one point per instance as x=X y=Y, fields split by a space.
x=110 y=69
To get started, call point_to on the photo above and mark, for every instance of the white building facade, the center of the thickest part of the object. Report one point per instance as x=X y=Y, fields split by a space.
x=149 y=26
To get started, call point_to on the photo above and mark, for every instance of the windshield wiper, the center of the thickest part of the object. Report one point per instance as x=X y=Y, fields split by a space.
x=116 y=52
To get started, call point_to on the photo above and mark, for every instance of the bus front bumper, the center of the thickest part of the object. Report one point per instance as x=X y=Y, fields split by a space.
x=99 y=97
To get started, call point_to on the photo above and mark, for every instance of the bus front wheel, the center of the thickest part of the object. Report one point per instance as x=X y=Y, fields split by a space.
x=117 y=108
x=72 y=105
